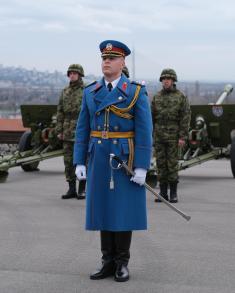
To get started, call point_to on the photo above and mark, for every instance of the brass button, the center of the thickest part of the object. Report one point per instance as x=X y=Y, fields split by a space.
x=120 y=98
x=98 y=127
x=116 y=127
x=99 y=141
x=114 y=141
x=98 y=113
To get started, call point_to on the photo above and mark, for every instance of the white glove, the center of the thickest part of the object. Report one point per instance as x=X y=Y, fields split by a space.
x=139 y=177
x=80 y=172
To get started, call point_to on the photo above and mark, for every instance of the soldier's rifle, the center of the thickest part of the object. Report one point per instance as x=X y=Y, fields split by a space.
x=122 y=164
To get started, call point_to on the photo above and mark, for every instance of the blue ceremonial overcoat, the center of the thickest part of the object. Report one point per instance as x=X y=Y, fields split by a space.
x=122 y=208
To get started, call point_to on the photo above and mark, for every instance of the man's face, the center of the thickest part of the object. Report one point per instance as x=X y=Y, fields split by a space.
x=112 y=66
x=73 y=76
x=167 y=83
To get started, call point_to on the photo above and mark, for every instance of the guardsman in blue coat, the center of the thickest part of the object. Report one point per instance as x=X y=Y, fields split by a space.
x=115 y=118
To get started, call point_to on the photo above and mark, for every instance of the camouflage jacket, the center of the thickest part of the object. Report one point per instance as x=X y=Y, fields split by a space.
x=68 y=109
x=171 y=115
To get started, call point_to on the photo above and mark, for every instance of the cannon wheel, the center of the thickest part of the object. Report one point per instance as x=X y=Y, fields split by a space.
x=232 y=156
x=25 y=145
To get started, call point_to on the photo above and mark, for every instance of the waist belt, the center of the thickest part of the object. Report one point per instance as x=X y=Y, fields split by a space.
x=109 y=134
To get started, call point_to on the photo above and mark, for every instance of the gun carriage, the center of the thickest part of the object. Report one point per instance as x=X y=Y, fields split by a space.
x=36 y=144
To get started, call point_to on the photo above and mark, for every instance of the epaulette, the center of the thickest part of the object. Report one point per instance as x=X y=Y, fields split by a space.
x=94 y=82
x=137 y=83
x=141 y=85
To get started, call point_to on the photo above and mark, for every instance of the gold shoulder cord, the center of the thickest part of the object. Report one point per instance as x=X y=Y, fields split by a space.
x=122 y=112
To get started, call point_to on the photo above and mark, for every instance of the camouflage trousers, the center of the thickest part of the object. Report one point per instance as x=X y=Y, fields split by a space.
x=68 y=161
x=167 y=161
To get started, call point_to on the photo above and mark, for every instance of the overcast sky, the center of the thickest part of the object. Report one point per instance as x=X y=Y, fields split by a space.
x=195 y=37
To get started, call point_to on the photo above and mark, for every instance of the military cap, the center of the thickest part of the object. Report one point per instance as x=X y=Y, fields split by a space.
x=168 y=73
x=76 y=68
x=114 y=49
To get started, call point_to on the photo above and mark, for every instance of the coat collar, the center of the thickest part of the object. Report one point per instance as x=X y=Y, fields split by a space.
x=123 y=85
x=117 y=95
x=96 y=86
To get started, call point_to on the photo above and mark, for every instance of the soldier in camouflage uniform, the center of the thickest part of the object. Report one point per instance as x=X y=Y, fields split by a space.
x=171 y=118
x=67 y=113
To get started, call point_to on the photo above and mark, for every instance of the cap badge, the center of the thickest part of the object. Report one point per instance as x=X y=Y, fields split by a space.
x=109 y=47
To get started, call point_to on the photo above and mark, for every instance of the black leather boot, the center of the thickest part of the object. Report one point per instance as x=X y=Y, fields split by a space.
x=163 y=192
x=71 y=193
x=122 y=244
x=81 y=189
x=173 y=192
x=108 y=265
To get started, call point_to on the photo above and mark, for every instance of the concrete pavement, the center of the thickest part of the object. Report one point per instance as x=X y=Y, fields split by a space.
x=44 y=248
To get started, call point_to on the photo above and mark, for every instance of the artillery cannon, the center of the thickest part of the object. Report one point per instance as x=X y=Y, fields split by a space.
x=38 y=143
x=211 y=134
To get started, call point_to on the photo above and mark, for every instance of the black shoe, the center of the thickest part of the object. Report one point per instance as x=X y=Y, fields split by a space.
x=122 y=273
x=81 y=196
x=159 y=200
x=107 y=269
x=163 y=192
x=71 y=193
x=81 y=189
x=174 y=200
x=173 y=192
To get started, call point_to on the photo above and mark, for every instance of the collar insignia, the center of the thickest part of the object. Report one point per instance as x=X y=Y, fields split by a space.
x=124 y=86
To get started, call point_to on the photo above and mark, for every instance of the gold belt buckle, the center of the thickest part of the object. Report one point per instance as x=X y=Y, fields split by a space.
x=104 y=134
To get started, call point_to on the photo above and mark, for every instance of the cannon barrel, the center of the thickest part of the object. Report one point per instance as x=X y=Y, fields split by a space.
x=227 y=91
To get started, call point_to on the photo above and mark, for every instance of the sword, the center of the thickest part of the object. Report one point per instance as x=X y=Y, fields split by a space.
x=122 y=164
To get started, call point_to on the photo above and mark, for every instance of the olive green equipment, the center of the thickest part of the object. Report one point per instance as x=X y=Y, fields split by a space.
x=38 y=143
x=76 y=68
x=168 y=73
x=211 y=135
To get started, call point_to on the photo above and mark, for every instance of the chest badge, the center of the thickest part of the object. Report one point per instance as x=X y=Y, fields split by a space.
x=124 y=86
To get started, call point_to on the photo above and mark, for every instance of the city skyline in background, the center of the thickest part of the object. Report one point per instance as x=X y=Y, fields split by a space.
x=194 y=38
